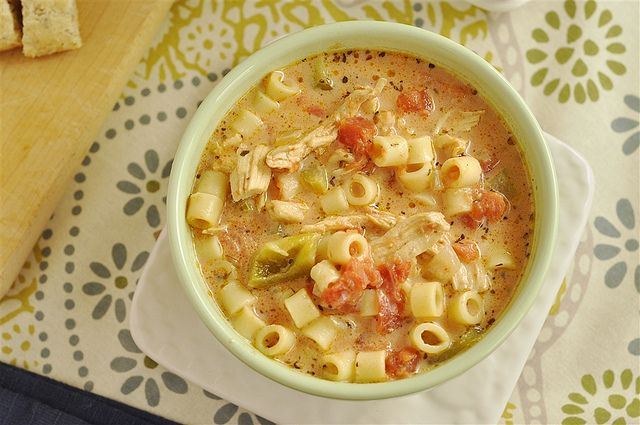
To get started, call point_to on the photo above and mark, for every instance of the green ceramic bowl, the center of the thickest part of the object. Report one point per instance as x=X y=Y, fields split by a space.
x=364 y=35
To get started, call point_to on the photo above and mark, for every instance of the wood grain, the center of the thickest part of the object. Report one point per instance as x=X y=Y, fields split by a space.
x=52 y=108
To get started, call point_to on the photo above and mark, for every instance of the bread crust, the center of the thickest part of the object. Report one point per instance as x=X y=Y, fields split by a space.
x=49 y=26
x=10 y=34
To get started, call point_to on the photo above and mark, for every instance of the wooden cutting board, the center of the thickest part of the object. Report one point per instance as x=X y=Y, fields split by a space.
x=52 y=108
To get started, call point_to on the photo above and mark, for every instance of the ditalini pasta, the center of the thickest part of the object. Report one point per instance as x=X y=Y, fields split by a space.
x=390 y=151
x=204 y=210
x=274 y=340
x=277 y=89
x=461 y=171
x=246 y=123
x=349 y=228
x=427 y=299
x=210 y=249
x=247 y=323
x=263 y=104
x=322 y=330
x=339 y=366
x=430 y=338
x=466 y=308
x=361 y=190
x=343 y=247
x=370 y=366
x=416 y=177
x=301 y=308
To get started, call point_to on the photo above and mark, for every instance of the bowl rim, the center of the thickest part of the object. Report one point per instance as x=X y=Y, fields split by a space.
x=249 y=72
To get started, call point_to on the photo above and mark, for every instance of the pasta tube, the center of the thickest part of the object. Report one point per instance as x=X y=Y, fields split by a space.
x=343 y=246
x=274 y=340
x=466 y=308
x=426 y=299
x=322 y=330
x=390 y=151
x=462 y=171
x=370 y=366
x=339 y=366
x=209 y=248
x=204 y=210
x=233 y=297
x=361 y=190
x=246 y=123
x=415 y=177
x=430 y=338
x=420 y=150
x=277 y=89
x=323 y=274
x=247 y=323
x=263 y=104
x=457 y=201
x=301 y=308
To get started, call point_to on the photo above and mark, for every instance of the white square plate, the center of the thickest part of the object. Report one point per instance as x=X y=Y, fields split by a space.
x=167 y=329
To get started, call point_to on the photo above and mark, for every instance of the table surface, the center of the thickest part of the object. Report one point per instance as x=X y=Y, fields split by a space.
x=576 y=65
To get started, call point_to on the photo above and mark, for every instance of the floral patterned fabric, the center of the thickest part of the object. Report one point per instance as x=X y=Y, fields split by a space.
x=574 y=62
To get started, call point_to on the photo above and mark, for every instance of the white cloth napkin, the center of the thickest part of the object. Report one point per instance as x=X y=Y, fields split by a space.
x=167 y=328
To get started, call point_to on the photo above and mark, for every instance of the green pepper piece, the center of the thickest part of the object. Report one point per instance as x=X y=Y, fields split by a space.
x=465 y=341
x=283 y=259
x=322 y=75
x=317 y=179
x=501 y=182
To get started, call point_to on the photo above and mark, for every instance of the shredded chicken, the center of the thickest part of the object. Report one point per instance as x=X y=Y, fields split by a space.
x=386 y=123
x=457 y=121
x=234 y=140
x=251 y=176
x=448 y=146
x=384 y=220
x=337 y=162
x=287 y=212
x=478 y=276
x=261 y=201
x=380 y=219
x=445 y=266
x=289 y=156
x=410 y=237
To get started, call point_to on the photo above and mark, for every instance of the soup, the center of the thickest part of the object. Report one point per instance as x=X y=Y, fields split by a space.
x=361 y=216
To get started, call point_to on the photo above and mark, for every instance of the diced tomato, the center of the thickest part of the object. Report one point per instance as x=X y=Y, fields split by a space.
x=343 y=294
x=403 y=363
x=315 y=110
x=469 y=222
x=491 y=206
x=489 y=164
x=415 y=101
x=467 y=251
x=357 y=134
x=390 y=296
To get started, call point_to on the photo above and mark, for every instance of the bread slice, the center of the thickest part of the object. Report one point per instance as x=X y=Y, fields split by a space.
x=49 y=26
x=10 y=34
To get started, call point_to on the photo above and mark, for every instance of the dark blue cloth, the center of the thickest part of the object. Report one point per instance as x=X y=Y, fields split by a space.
x=30 y=399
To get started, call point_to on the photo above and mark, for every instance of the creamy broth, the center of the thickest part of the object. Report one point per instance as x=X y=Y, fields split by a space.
x=462 y=229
